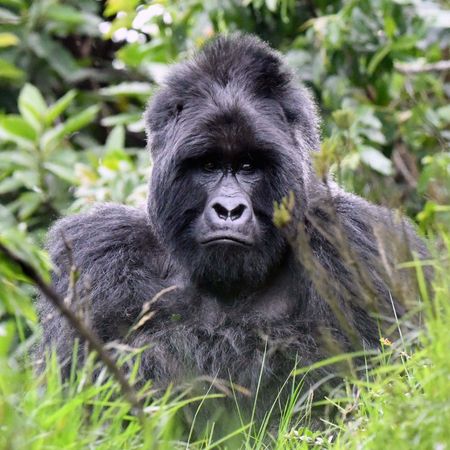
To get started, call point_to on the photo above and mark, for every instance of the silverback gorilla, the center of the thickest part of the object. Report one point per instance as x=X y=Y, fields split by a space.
x=204 y=279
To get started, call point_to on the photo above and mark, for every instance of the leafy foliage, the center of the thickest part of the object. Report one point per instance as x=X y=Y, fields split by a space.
x=75 y=77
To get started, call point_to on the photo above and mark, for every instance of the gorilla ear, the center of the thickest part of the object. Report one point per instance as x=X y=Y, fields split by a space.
x=161 y=110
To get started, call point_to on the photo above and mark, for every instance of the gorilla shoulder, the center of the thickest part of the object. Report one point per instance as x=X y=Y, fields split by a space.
x=112 y=241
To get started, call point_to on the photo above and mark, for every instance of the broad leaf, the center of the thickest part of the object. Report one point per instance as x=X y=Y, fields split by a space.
x=376 y=160
x=59 y=106
x=32 y=106
x=15 y=129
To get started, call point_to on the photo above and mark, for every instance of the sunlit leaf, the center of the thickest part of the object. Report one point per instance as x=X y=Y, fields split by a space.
x=8 y=39
x=10 y=184
x=120 y=119
x=8 y=17
x=59 y=106
x=65 y=173
x=15 y=129
x=114 y=6
x=116 y=139
x=81 y=119
x=378 y=57
x=7 y=330
x=135 y=88
x=376 y=160
x=15 y=159
x=65 y=13
x=9 y=71
x=30 y=202
x=32 y=106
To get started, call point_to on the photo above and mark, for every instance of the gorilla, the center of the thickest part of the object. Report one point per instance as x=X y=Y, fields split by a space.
x=202 y=280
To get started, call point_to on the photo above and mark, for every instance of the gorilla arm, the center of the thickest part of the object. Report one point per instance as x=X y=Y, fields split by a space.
x=107 y=263
x=353 y=251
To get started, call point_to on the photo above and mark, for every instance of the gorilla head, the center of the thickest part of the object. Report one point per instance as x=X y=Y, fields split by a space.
x=230 y=133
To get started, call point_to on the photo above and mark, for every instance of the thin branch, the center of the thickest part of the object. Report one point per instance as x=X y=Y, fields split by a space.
x=85 y=332
x=415 y=67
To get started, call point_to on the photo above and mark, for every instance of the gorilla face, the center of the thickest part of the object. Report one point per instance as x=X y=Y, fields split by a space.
x=232 y=237
x=226 y=143
x=228 y=217
x=218 y=205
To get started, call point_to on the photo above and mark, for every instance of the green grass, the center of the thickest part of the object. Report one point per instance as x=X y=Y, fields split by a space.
x=402 y=402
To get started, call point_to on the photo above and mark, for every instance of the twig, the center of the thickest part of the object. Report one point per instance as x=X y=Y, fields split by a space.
x=94 y=341
x=411 y=68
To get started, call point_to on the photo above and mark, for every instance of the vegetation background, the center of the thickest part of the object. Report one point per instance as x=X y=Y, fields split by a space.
x=75 y=76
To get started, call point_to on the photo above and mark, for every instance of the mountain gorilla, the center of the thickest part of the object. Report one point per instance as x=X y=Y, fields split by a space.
x=203 y=279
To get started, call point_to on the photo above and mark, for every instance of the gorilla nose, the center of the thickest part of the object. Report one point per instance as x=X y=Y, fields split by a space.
x=230 y=208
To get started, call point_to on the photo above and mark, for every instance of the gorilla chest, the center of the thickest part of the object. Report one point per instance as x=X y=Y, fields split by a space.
x=226 y=352
x=199 y=340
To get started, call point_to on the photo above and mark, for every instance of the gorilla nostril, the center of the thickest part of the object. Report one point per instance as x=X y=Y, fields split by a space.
x=237 y=212
x=221 y=211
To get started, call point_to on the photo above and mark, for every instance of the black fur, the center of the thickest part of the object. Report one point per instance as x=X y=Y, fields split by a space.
x=294 y=296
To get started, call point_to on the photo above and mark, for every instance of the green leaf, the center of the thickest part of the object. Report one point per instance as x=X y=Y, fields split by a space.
x=378 y=57
x=135 y=88
x=404 y=43
x=31 y=95
x=116 y=139
x=65 y=173
x=374 y=135
x=81 y=120
x=134 y=54
x=17 y=126
x=66 y=14
x=61 y=61
x=10 y=184
x=8 y=40
x=59 y=106
x=9 y=71
x=14 y=129
x=14 y=159
x=120 y=119
x=6 y=16
x=7 y=218
x=13 y=3
x=29 y=178
x=32 y=106
x=157 y=71
x=29 y=203
x=51 y=138
x=114 y=157
x=366 y=116
x=344 y=118
x=7 y=335
x=390 y=27
x=114 y=6
x=272 y=5
x=444 y=113
x=376 y=160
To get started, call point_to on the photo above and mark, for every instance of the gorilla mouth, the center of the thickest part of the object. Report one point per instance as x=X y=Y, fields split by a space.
x=227 y=239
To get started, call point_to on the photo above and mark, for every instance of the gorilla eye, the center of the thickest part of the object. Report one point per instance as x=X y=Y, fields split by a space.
x=209 y=166
x=247 y=167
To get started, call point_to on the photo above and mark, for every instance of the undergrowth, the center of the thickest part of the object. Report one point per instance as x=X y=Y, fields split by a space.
x=401 y=402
